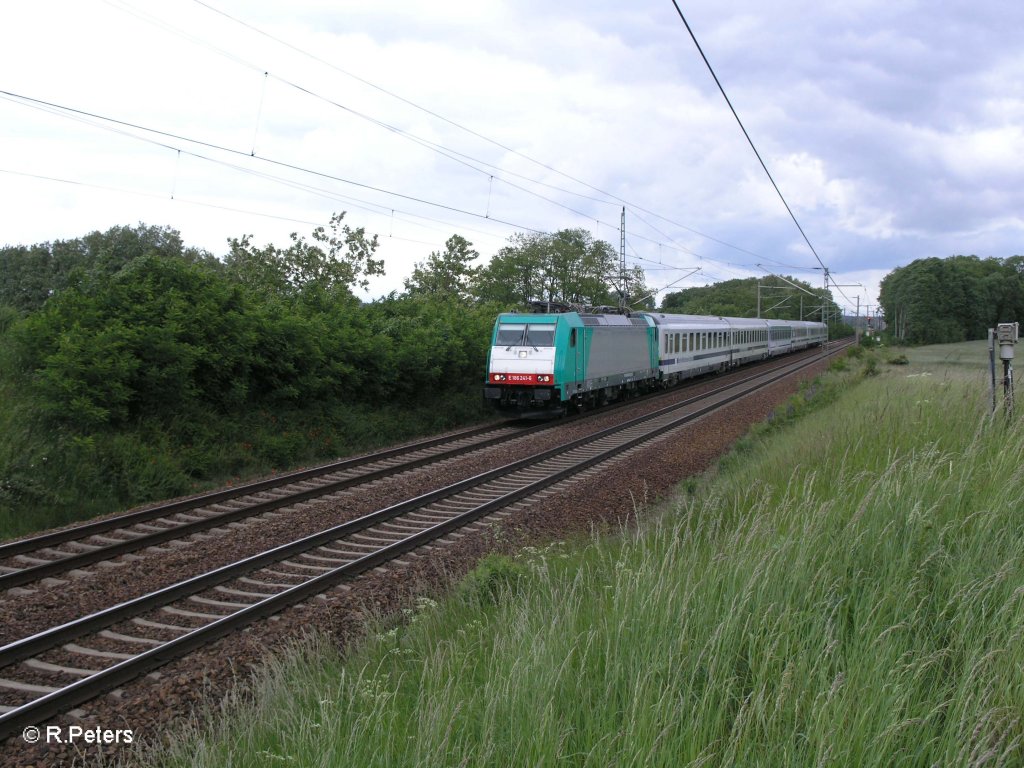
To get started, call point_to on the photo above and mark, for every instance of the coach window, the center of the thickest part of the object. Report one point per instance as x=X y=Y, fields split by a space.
x=572 y=338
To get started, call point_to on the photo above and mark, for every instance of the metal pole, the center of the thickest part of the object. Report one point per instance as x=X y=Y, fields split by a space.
x=623 y=302
x=1008 y=386
x=992 y=364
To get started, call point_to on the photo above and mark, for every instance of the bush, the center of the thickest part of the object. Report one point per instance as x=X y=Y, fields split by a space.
x=494 y=576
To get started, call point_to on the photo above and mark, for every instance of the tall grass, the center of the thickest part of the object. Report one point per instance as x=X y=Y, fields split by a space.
x=849 y=591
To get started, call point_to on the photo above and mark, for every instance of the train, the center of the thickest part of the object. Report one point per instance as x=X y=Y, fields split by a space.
x=552 y=363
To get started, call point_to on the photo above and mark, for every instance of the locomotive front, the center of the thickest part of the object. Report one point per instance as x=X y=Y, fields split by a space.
x=523 y=365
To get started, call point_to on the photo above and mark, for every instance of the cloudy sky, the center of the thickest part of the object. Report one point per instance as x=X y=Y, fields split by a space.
x=893 y=128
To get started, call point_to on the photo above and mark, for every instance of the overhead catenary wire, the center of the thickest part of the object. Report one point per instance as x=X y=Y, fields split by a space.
x=750 y=141
x=608 y=196
x=181 y=200
x=109 y=123
x=452 y=154
x=613 y=198
x=229 y=150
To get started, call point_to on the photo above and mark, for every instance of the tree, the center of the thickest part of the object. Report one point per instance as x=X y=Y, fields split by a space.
x=569 y=266
x=447 y=274
x=739 y=298
x=338 y=259
x=935 y=301
x=29 y=275
x=158 y=338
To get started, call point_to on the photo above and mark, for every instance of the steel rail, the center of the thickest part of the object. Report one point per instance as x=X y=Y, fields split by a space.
x=9 y=549
x=82 y=559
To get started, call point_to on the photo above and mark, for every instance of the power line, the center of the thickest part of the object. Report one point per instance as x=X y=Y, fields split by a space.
x=608 y=196
x=752 y=146
x=454 y=155
x=210 y=145
x=107 y=123
x=447 y=152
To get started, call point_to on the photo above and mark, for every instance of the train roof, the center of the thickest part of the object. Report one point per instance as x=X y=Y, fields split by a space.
x=663 y=318
x=576 y=318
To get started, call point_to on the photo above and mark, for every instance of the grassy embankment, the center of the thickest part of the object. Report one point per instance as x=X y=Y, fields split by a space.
x=845 y=591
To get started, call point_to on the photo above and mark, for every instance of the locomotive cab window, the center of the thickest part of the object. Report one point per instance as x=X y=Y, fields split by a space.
x=510 y=334
x=521 y=334
x=540 y=335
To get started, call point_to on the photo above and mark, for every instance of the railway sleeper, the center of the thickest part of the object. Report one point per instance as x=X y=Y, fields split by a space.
x=158 y=625
x=17 y=685
x=110 y=635
x=220 y=603
x=46 y=666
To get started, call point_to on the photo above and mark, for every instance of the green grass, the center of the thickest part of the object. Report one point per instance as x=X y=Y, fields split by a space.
x=967 y=355
x=847 y=591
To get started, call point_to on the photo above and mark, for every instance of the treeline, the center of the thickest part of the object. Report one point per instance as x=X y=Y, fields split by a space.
x=938 y=301
x=133 y=367
x=770 y=296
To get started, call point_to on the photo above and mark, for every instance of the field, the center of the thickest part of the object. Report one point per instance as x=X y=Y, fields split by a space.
x=846 y=589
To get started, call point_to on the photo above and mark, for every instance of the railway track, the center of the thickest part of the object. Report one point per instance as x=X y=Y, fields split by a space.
x=40 y=557
x=55 y=670
x=72 y=550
